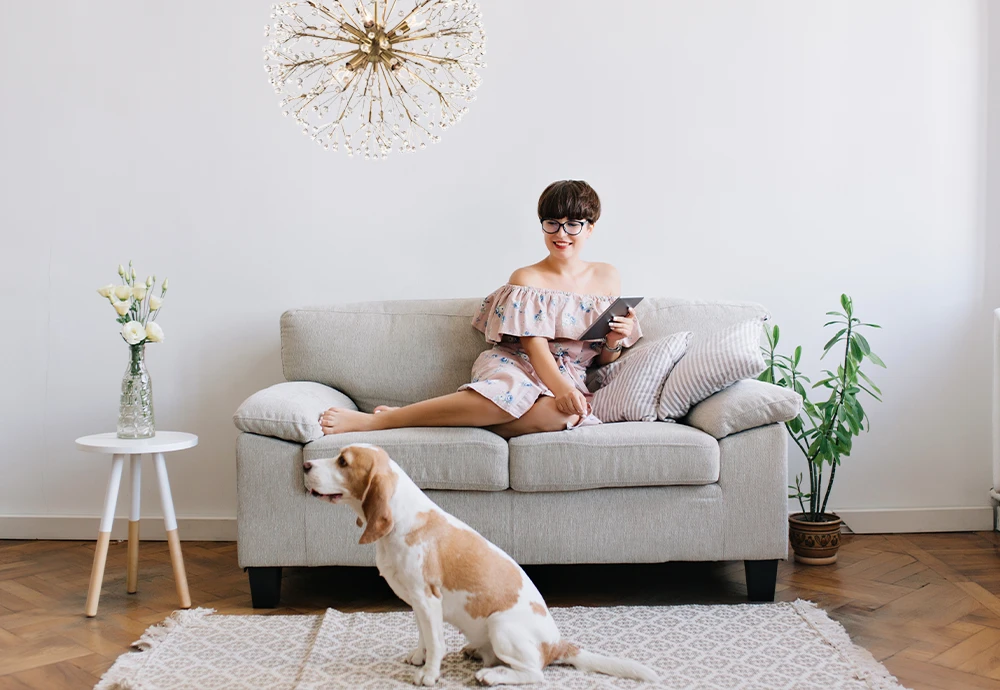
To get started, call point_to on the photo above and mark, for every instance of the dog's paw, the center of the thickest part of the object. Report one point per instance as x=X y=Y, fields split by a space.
x=416 y=657
x=426 y=676
x=470 y=652
x=488 y=676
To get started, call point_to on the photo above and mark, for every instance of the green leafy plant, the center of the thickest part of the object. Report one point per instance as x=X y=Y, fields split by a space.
x=824 y=431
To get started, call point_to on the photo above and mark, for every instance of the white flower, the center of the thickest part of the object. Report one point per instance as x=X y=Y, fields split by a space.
x=133 y=332
x=123 y=292
x=106 y=290
x=154 y=333
x=139 y=292
x=120 y=307
x=155 y=302
x=149 y=281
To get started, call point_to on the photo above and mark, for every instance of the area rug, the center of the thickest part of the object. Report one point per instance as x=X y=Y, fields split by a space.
x=792 y=645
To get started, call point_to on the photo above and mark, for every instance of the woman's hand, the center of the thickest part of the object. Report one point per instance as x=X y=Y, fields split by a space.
x=571 y=401
x=621 y=328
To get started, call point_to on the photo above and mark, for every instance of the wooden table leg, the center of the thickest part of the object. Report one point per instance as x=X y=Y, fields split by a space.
x=170 y=522
x=135 y=473
x=104 y=535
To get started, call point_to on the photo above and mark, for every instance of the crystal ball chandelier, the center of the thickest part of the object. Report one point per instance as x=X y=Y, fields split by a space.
x=376 y=76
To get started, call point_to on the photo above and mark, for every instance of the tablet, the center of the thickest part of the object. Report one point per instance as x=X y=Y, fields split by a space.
x=602 y=326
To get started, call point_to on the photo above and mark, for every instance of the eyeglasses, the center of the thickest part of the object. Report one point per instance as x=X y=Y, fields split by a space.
x=572 y=227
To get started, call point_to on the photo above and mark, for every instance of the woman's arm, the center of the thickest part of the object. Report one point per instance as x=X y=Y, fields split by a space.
x=569 y=400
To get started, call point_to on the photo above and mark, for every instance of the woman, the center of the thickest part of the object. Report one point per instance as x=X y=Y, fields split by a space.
x=533 y=379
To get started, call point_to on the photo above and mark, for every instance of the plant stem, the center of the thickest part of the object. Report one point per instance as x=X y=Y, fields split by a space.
x=836 y=412
x=833 y=472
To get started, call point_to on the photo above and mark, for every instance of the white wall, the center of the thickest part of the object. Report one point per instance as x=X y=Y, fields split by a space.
x=776 y=151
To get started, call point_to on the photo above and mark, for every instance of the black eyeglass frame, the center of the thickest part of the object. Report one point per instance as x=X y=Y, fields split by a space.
x=562 y=226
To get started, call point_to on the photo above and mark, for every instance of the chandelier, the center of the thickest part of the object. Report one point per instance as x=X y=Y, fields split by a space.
x=377 y=76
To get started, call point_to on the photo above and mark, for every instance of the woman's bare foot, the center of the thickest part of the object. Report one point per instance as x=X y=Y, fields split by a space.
x=338 y=421
x=384 y=408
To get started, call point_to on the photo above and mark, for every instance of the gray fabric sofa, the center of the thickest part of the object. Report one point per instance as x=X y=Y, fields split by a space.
x=628 y=492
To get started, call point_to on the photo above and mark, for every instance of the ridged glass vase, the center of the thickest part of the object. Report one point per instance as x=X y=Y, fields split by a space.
x=135 y=413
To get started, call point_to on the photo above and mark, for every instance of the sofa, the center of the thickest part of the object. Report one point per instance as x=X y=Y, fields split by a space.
x=709 y=487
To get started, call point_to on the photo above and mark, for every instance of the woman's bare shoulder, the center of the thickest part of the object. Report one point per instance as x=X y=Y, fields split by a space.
x=608 y=277
x=526 y=275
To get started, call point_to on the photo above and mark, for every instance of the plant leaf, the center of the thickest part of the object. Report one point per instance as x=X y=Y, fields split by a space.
x=875 y=360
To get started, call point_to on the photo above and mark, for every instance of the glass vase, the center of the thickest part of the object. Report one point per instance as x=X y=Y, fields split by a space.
x=135 y=413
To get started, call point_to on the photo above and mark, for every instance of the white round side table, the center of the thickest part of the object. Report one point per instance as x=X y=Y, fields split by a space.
x=118 y=449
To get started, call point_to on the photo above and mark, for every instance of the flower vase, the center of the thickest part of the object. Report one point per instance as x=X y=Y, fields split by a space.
x=135 y=414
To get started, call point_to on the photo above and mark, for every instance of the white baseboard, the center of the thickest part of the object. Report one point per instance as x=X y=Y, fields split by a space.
x=83 y=527
x=906 y=520
x=873 y=521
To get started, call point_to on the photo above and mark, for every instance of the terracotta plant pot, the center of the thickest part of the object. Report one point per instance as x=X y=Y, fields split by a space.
x=814 y=543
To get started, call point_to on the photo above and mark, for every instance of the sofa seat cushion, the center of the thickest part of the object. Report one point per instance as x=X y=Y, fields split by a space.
x=614 y=455
x=457 y=458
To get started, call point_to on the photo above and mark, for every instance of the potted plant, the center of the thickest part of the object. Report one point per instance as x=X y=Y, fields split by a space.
x=824 y=431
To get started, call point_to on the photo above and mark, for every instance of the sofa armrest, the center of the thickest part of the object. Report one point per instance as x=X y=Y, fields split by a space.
x=753 y=476
x=744 y=405
x=289 y=411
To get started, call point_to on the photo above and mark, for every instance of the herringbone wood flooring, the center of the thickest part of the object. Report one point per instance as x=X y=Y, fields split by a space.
x=927 y=605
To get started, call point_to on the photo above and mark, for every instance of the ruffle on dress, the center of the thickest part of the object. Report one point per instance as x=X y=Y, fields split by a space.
x=520 y=311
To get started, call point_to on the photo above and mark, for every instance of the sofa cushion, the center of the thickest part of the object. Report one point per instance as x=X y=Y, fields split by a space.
x=712 y=362
x=629 y=388
x=289 y=411
x=744 y=405
x=458 y=458
x=614 y=455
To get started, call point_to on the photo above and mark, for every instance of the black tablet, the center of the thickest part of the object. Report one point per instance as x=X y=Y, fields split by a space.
x=602 y=326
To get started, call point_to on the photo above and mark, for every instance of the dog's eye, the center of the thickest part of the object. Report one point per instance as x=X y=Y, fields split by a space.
x=341 y=461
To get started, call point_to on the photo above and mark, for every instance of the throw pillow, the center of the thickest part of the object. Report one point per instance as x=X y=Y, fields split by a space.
x=630 y=387
x=713 y=361
x=289 y=411
x=744 y=405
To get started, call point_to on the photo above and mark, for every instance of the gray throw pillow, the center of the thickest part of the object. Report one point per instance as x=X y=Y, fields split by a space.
x=712 y=362
x=744 y=405
x=289 y=411
x=630 y=386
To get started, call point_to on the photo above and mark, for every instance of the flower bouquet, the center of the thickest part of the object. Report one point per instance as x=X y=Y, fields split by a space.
x=137 y=308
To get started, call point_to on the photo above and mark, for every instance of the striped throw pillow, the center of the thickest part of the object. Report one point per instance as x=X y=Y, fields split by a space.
x=630 y=386
x=713 y=362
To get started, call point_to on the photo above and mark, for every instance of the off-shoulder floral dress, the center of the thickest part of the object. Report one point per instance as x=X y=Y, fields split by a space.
x=504 y=373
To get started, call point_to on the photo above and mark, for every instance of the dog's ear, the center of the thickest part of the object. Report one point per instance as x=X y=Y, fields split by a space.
x=375 y=505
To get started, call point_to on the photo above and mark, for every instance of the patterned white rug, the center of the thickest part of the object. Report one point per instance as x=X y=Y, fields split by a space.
x=752 y=646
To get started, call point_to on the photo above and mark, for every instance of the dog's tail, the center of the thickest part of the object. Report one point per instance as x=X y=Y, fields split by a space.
x=609 y=665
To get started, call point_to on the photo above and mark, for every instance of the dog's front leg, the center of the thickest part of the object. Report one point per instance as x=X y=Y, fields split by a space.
x=431 y=624
x=419 y=653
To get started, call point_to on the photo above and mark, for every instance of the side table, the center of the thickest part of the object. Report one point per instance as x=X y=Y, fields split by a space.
x=119 y=448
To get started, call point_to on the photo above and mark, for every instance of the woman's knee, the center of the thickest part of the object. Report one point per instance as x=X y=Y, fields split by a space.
x=547 y=416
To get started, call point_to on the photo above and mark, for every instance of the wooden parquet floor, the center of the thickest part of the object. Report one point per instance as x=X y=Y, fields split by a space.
x=926 y=605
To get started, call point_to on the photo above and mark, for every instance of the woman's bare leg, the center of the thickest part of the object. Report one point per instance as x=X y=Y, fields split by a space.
x=464 y=408
x=542 y=416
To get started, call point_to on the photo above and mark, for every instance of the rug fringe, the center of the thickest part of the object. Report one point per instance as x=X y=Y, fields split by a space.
x=121 y=675
x=868 y=669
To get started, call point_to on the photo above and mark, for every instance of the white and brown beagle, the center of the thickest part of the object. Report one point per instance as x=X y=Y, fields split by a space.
x=447 y=571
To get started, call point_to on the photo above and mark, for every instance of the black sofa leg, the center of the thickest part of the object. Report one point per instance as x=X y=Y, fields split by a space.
x=762 y=576
x=265 y=587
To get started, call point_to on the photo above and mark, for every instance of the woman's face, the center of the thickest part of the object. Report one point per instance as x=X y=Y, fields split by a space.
x=561 y=244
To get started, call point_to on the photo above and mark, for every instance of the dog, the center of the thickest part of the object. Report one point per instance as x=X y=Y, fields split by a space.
x=446 y=571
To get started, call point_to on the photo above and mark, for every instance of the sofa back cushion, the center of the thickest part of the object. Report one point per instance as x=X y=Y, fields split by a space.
x=402 y=351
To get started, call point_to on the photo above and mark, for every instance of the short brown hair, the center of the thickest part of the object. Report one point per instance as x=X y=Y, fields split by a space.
x=573 y=199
